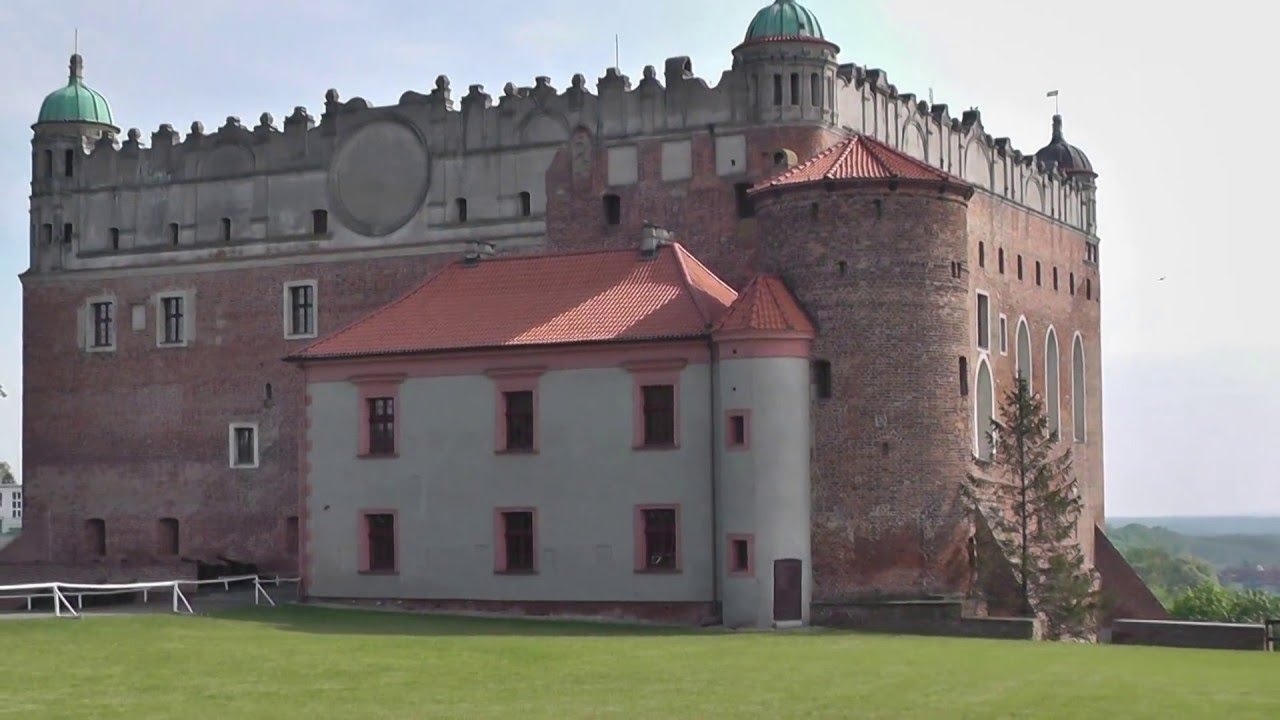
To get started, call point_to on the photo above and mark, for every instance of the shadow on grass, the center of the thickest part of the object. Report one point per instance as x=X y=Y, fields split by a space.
x=343 y=621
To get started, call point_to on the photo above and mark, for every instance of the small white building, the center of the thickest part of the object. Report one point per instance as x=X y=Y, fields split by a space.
x=10 y=502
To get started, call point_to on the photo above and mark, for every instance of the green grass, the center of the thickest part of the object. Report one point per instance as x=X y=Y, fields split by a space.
x=303 y=662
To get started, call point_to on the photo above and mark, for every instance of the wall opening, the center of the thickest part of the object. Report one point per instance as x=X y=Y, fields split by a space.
x=69 y=163
x=746 y=208
x=984 y=412
x=167 y=536
x=1000 y=260
x=1071 y=283
x=1078 y=396
x=173 y=233
x=460 y=206
x=777 y=89
x=1052 y=384
x=1088 y=289
x=1038 y=273
x=95 y=536
x=226 y=229
x=47 y=169
x=1055 y=279
x=114 y=235
x=795 y=88
x=815 y=90
x=526 y=204
x=291 y=535
x=46 y=233
x=984 y=321
x=982 y=255
x=67 y=231
x=964 y=376
x=1023 y=361
x=1019 y=267
x=319 y=222
x=820 y=372
x=612 y=210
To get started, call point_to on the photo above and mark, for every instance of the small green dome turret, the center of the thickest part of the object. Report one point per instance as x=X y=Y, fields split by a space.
x=784 y=18
x=76 y=102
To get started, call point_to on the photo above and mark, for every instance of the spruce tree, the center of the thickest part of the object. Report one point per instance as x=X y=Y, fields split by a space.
x=1031 y=500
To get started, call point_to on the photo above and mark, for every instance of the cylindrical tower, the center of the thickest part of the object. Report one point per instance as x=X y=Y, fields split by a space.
x=873 y=243
x=789 y=66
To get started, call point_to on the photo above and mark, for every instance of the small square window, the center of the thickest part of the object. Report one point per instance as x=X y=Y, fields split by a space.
x=741 y=552
x=244 y=445
x=517 y=546
x=300 y=310
x=658 y=539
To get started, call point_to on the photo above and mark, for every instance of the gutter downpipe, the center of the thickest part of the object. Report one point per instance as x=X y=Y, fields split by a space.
x=713 y=363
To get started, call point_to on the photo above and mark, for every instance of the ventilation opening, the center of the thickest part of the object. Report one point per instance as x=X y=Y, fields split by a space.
x=795 y=88
x=1071 y=283
x=821 y=379
x=69 y=163
x=1019 y=267
x=95 y=535
x=964 y=376
x=67 y=231
x=982 y=255
x=526 y=205
x=1088 y=289
x=612 y=210
x=842 y=267
x=319 y=222
x=461 y=205
x=1000 y=260
x=114 y=235
x=226 y=229
x=1055 y=279
x=167 y=536
x=173 y=233
x=1038 y=273
x=746 y=208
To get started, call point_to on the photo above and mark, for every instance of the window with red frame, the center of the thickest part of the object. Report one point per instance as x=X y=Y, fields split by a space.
x=519 y=408
x=659 y=415
x=382 y=426
x=517 y=537
x=382 y=541
x=659 y=538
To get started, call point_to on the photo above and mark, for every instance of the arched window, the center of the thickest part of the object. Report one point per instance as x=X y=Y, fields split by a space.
x=174 y=233
x=1024 y=352
x=815 y=90
x=461 y=205
x=795 y=88
x=526 y=204
x=984 y=408
x=1052 y=385
x=777 y=89
x=1078 y=390
x=226 y=229
x=47 y=168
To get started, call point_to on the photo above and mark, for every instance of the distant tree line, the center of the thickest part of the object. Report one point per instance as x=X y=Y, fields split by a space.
x=1189 y=589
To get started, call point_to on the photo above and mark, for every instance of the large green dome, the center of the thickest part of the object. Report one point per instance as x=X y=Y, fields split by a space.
x=784 y=18
x=76 y=102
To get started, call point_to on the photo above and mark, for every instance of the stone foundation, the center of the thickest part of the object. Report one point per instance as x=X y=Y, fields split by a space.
x=674 y=613
x=922 y=617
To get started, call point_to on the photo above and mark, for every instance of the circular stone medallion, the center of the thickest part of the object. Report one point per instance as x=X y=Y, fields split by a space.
x=379 y=177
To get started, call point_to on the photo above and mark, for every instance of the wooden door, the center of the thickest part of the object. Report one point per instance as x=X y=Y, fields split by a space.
x=787 y=590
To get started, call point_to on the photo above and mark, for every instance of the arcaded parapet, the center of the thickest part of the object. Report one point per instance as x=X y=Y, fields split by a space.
x=876 y=265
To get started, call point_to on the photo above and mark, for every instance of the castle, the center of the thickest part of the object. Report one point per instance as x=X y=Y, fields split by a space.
x=171 y=276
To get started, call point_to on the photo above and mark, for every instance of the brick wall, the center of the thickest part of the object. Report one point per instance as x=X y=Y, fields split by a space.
x=1124 y=594
x=1216 y=636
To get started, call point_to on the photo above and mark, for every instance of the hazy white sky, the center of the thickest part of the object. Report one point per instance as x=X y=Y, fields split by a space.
x=1174 y=107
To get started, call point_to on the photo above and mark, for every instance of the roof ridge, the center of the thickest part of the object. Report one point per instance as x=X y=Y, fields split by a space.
x=681 y=256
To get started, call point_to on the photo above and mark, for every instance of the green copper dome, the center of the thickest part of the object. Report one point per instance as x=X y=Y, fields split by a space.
x=784 y=18
x=76 y=102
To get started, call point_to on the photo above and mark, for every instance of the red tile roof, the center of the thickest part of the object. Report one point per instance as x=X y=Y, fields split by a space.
x=857 y=158
x=766 y=304
x=604 y=296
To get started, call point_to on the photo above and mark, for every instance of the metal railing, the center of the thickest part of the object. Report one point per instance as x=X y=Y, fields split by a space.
x=62 y=593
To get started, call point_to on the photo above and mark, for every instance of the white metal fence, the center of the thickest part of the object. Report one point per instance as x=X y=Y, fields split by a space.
x=68 y=598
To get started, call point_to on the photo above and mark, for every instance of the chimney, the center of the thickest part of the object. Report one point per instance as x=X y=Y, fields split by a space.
x=475 y=251
x=653 y=237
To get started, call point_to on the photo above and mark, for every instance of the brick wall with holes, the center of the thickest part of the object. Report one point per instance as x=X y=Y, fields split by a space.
x=141 y=433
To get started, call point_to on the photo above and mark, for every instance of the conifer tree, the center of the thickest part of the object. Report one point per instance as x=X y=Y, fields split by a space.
x=1031 y=500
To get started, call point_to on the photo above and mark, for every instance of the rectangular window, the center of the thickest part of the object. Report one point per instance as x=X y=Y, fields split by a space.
x=171 y=313
x=526 y=204
x=741 y=552
x=96 y=536
x=517 y=541
x=518 y=406
x=736 y=430
x=382 y=426
x=795 y=88
x=821 y=379
x=167 y=536
x=659 y=415
x=984 y=322
x=1019 y=267
x=244 y=445
x=67 y=232
x=380 y=534
x=982 y=255
x=319 y=222
x=174 y=233
x=1004 y=335
x=815 y=90
x=1055 y=279
x=114 y=234
x=69 y=163
x=658 y=533
x=291 y=535
x=461 y=205
x=226 y=229
x=777 y=89
x=1038 y=272
x=102 y=317
x=1000 y=260
x=746 y=208
x=300 y=310
x=612 y=210
x=46 y=233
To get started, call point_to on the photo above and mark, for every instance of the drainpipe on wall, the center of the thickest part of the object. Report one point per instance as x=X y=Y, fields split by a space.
x=713 y=363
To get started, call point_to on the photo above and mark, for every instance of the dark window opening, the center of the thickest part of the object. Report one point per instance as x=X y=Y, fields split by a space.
x=47 y=171
x=984 y=322
x=1055 y=279
x=741 y=556
x=319 y=222
x=842 y=267
x=964 y=376
x=659 y=415
x=1088 y=289
x=815 y=90
x=519 y=411
x=171 y=308
x=957 y=269
x=777 y=89
x=746 y=208
x=245 y=447
x=114 y=234
x=795 y=88
x=226 y=229
x=461 y=204
x=381 y=528
x=1038 y=273
x=1071 y=283
x=67 y=231
x=738 y=430
x=291 y=535
x=167 y=536
x=96 y=536
x=820 y=371
x=659 y=539
x=612 y=210
x=46 y=234
x=1019 y=267
x=69 y=163
x=517 y=536
x=302 y=303
x=526 y=204
x=982 y=255
x=1000 y=260
x=103 y=332
x=173 y=233
x=382 y=426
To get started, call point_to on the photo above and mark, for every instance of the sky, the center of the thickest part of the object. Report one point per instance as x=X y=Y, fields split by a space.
x=1174 y=109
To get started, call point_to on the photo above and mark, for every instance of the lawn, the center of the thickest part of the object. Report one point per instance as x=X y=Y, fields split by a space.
x=307 y=662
